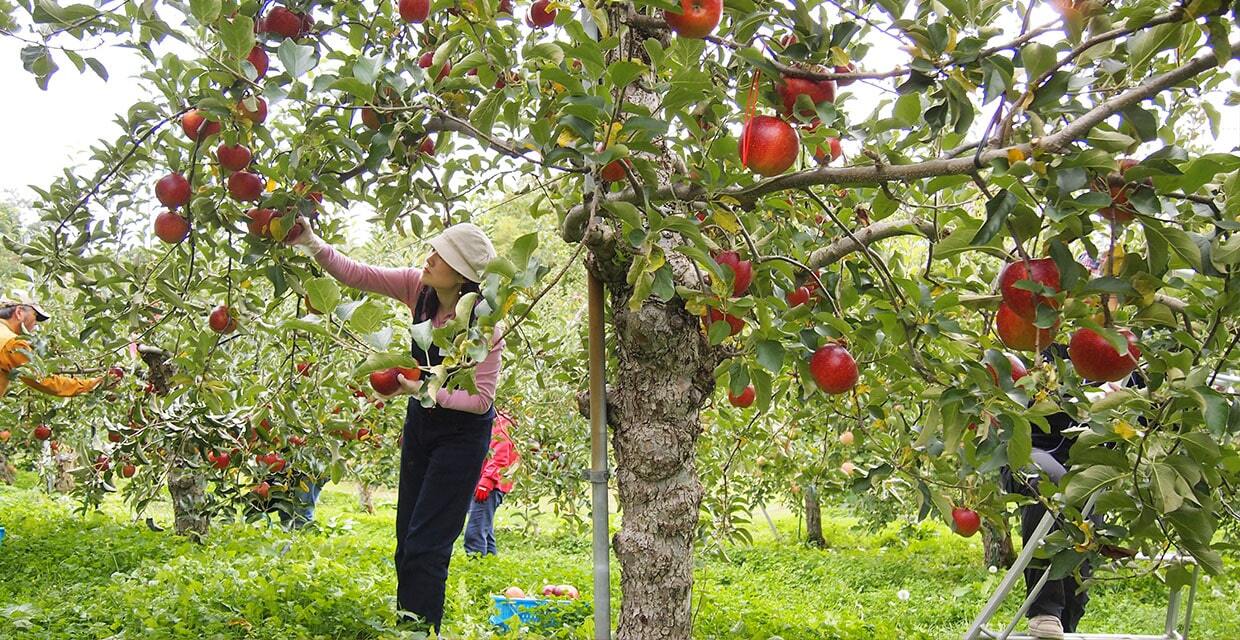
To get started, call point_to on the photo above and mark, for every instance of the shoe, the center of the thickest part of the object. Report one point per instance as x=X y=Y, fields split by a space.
x=407 y=621
x=1046 y=628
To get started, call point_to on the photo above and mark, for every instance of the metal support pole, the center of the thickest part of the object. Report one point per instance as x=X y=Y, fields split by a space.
x=598 y=465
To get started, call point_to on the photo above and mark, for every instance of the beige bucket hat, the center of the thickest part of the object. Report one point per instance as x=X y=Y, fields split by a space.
x=466 y=248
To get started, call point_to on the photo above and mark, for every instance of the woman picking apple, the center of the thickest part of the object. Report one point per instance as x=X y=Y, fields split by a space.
x=443 y=446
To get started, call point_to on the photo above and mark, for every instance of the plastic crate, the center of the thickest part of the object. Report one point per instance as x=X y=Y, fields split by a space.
x=1 y=534
x=527 y=609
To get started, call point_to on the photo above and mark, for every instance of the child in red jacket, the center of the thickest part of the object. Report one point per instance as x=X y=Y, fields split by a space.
x=494 y=484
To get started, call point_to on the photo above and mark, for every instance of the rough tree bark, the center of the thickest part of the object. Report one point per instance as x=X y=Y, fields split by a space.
x=997 y=543
x=813 y=518
x=366 y=497
x=62 y=462
x=8 y=473
x=187 y=487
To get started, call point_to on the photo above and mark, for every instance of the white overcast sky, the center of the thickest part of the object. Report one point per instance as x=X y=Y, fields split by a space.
x=45 y=131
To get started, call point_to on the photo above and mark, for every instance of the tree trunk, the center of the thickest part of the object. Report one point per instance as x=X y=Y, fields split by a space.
x=813 y=517
x=664 y=373
x=997 y=542
x=62 y=463
x=366 y=497
x=8 y=473
x=189 y=501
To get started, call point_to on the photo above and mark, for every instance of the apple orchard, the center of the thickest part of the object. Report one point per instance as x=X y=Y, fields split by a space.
x=834 y=237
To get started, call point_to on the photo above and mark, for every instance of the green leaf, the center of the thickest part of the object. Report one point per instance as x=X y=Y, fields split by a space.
x=324 y=294
x=1214 y=407
x=1091 y=480
x=771 y=355
x=908 y=109
x=364 y=91
x=380 y=361
x=367 y=317
x=297 y=59
x=1168 y=488
x=1144 y=122
x=622 y=72
x=1144 y=45
x=1037 y=59
x=997 y=210
x=626 y=212
x=1020 y=444
x=238 y=36
x=206 y=11
x=522 y=249
x=483 y=116
x=1177 y=239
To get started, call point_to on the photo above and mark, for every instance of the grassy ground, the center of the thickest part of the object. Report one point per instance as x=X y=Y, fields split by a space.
x=73 y=577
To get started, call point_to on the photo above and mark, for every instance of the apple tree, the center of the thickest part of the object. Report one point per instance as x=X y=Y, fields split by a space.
x=803 y=205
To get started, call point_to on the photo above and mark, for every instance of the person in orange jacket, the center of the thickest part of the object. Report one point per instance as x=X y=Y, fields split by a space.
x=493 y=485
x=18 y=318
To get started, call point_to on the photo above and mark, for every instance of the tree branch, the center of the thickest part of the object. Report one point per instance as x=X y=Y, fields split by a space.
x=574 y=221
x=868 y=235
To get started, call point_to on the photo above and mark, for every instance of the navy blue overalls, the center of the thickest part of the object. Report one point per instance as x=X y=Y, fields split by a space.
x=440 y=462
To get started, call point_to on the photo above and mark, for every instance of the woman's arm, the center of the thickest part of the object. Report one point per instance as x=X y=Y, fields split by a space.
x=401 y=283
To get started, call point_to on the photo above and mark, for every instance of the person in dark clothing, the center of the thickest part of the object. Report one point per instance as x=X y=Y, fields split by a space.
x=1059 y=607
x=443 y=446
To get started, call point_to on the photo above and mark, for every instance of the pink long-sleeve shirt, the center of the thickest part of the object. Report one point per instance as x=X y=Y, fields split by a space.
x=404 y=285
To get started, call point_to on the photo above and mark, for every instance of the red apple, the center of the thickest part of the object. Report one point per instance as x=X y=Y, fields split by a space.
x=221 y=321
x=743 y=400
x=696 y=19
x=549 y=590
x=1095 y=359
x=259 y=222
x=116 y=372
x=966 y=521
x=128 y=470
x=5 y=435
x=768 y=145
x=847 y=438
x=195 y=125
x=256 y=116
x=1021 y=334
x=283 y=22
x=427 y=147
x=1025 y=303
x=219 y=460
x=414 y=11
x=42 y=432
x=540 y=17
x=371 y=119
x=115 y=436
x=848 y=468
x=172 y=190
x=102 y=463
x=171 y=227
x=613 y=172
x=818 y=91
x=234 y=157
x=821 y=155
x=569 y=591
x=244 y=186
x=385 y=381
x=714 y=315
x=428 y=58
x=258 y=58
x=296 y=441
x=797 y=297
x=505 y=6
x=850 y=68
x=514 y=592
x=742 y=271
x=262 y=490
x=834 y=369
x=1018 y=369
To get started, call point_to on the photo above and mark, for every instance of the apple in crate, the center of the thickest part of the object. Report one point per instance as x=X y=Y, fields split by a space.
x=514 y=592
x=568 y=591
x=549 y=590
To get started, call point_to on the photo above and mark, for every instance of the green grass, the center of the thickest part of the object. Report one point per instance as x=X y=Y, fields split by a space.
x=66 y=576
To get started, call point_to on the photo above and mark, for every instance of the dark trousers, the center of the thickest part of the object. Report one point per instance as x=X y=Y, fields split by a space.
x=480 y=532
x=440 y=462
x=1061 y=598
